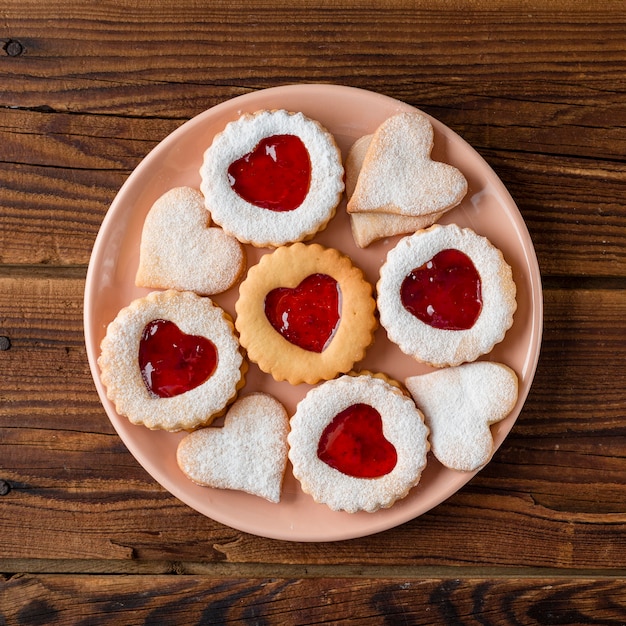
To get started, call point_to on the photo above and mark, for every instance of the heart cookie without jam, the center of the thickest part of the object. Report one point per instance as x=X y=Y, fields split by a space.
x=249 y=453
x=370 y=226
x=398 y=175
x=181 y=250
x=459 y=404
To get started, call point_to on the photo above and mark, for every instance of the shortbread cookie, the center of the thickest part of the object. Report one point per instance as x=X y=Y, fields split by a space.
x=459 y=404
x=371 y=226
x=305 y=313
x=357 y=443
x=446 y=295
x=249 y=453
x=180 y=250
x=171 y=361
x=399 y=176
x=272 y=177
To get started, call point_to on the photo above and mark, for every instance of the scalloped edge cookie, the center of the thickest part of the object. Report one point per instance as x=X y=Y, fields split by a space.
x=286 y=267
x=441 y=347
x=121 y=375
x=263 y=227
x=403 y=426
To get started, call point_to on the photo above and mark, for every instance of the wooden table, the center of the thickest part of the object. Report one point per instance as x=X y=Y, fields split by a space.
x=539 y=90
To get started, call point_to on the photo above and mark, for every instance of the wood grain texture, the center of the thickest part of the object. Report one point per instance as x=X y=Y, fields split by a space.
x=30 y=599
x=88 y=89
x=537 y=90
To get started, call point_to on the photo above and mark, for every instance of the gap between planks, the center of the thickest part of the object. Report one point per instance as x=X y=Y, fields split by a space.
x=10 y=567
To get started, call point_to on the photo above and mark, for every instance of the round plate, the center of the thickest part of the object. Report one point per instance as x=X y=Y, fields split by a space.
x=348 y=113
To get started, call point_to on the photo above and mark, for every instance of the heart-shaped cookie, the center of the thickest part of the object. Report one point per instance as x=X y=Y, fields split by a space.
x=249 y=453
x=398 y=175
x=181 y=250
x=459 y=405
x=369 y=226
x=307 y=315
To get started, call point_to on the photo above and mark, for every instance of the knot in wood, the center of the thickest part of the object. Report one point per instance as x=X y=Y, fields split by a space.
x=13 y=48
x=5 y=343
x=4 y=487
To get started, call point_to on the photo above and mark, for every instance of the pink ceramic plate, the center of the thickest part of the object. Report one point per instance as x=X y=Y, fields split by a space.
x=348 y=113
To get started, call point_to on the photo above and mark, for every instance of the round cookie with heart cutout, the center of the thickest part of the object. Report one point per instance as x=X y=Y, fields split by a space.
x=446 y=295
x=358 y=443
x=171 y=361
x=305 y=313
x=272 y=178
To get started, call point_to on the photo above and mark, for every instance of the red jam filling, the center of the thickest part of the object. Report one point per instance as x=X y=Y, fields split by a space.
x=172 y=362
x=354 y=443
x=445 y=292
x=308 y=315
x=275 y=175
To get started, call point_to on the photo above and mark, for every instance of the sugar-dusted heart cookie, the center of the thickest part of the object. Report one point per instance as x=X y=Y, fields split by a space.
x=398 y=175
x=248 y=453
x=181 y=250
x=171 y=361
x=358 y=443
x=370 y=226
x=460 y=404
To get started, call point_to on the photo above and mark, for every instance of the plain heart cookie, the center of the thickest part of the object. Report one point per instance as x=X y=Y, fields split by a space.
x=248 y=453
x=370 y=226
x=459 y=405
x=181 y=250
x=398 y=175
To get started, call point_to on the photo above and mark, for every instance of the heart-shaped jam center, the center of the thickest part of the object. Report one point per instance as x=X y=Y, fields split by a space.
x=172 y=362
x=445 y=292
x=308 y=315
x=275 y=175
x=354 y=443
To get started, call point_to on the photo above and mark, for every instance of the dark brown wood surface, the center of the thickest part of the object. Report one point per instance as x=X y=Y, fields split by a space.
x=87 y=89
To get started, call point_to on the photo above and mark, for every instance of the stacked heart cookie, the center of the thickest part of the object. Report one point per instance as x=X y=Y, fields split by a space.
x=175 y=360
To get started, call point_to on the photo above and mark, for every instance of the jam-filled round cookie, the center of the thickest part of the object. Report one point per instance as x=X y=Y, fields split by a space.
x=272 y=177
x=305 y=313
x=357 y=443
x=446 y=295
x=171 y=361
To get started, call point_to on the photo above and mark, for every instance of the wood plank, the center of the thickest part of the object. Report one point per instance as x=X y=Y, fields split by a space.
x=51 y=214
x=551 y=125
x=552 y=496
x=34 y=599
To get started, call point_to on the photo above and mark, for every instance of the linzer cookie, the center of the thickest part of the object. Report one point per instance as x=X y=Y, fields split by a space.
x=357 y=443
x=446 y=295
x=305 y=313
x=171 y=361
x=393 y=185
x=181 y=250
x=272 y=177
x=460 y=404
x=248 y=453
